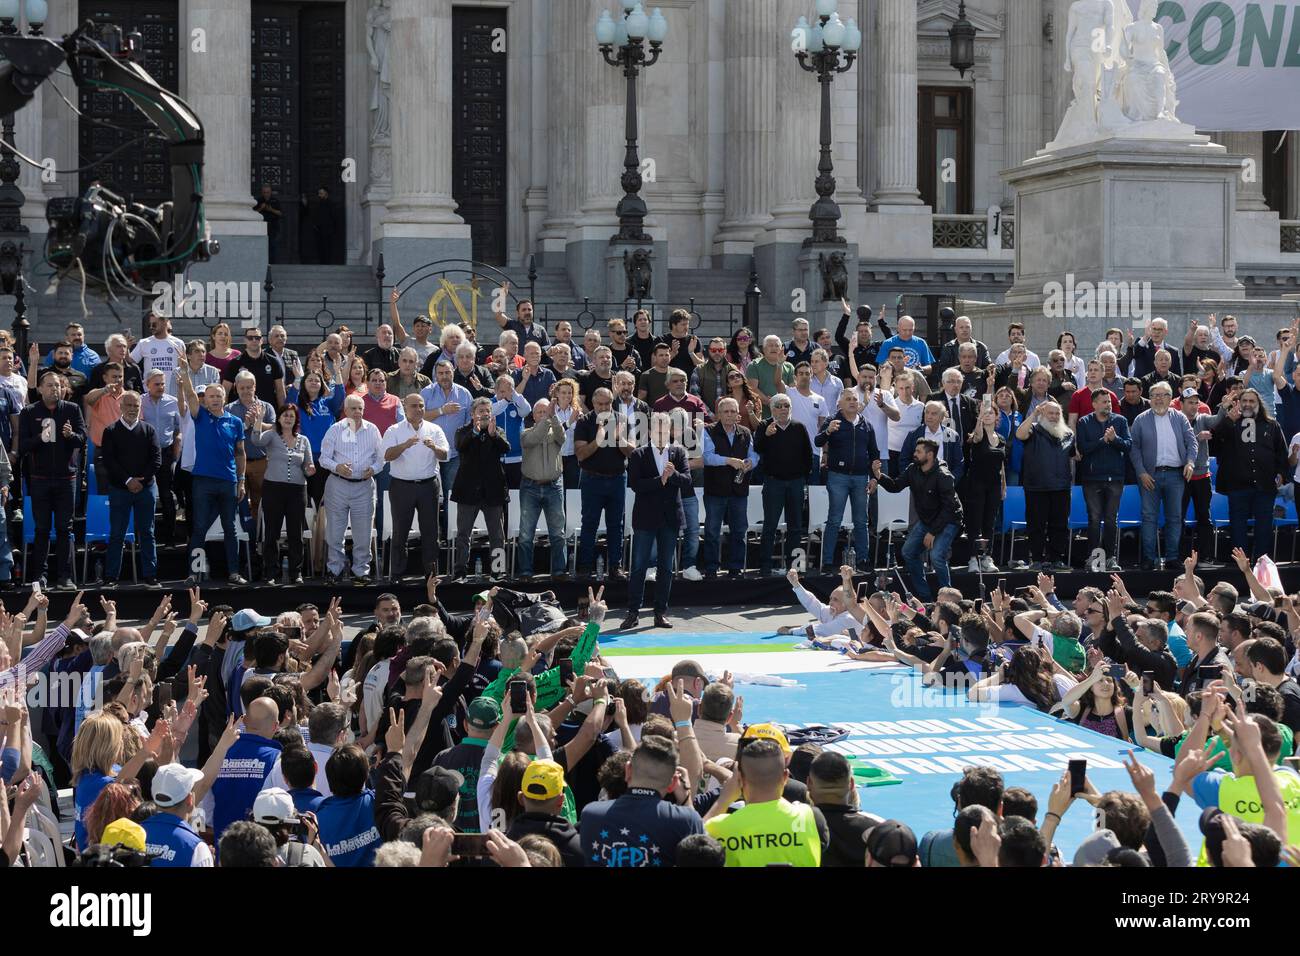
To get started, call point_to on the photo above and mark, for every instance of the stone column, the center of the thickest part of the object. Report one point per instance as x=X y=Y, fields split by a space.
x=1250 y=192
x=798 y=122
x=1062 y=91
x=751 y=111
x=422 y=113
x=896 y=144
x=218 y=84
x=571 y=41
x=1024 y=86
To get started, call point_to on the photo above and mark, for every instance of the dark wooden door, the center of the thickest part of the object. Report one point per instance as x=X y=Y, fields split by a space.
x=298 y=113
x=479 y=128
x=138 y=171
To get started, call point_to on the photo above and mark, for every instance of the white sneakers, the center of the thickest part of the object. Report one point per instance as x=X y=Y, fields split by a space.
x=692 y=574
x=974 y=565
x=987 y=565
x=650 y=574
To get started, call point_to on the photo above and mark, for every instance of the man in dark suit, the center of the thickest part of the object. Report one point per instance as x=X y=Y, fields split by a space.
x=51 y=440
x=131 y=458
x=658 y=474
x=935 y=426
x=961 y=410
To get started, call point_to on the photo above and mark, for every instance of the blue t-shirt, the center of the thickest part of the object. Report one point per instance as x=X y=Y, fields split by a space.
x=170 y=840
x=214 y=445
x=639 y=828
x=89 y=785
x=325 y=412
x=510 y=423
x=248 y=761
x=347 y=829
x=306 y=799
x=1178 y=644
x=917 y=349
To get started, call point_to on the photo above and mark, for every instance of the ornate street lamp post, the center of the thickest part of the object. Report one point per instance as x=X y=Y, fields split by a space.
x=961 y=42
x=13 y=233
x=827 y=48
x=623 y=44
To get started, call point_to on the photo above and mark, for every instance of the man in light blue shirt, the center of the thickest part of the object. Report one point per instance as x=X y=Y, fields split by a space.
x=163 y=412
x=84 y=358
x=919 y=357
x=447 y=405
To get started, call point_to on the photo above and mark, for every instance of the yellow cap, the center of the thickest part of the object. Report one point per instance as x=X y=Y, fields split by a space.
x=124 y=832
x=543 y=780
x=767 y=732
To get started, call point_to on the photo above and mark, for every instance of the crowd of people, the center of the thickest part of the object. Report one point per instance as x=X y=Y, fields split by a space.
x=310 y=455
x=496 y=733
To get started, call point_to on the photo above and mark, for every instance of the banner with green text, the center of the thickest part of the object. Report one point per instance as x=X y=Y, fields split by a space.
x=1237 y=62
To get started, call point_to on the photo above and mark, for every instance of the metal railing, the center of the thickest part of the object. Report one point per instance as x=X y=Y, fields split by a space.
x=973 y=232
x=1291 y=235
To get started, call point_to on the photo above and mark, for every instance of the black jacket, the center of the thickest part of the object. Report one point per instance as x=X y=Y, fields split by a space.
x=481 y=479
x=57 y=459
x=556 y=829
x=949 y=357
x=787 y=455
x=862 y=354
x=1250 y=459
x=934 y=494
x=846 y=827
x=657 y=504
x=1119 y=644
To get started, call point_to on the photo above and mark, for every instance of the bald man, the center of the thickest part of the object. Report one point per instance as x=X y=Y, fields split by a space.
x=248 y=761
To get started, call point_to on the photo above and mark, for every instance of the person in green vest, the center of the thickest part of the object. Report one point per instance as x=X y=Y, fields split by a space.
x=1255 y=795
x=1059 y=633
x=768 y=829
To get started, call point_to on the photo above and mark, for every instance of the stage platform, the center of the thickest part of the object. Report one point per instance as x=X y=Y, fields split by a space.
x=137 y=601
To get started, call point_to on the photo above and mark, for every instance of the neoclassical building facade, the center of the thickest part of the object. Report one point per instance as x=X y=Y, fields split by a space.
x=494 y=131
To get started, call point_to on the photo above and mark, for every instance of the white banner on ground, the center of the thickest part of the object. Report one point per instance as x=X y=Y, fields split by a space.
x=1237 y=62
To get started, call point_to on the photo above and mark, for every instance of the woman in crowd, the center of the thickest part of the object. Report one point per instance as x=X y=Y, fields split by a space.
x=1096 y=703
x=96 y=752
x=220 y=354
x=1073 y=364
x=357 y=375
x=1028 y=679
x=751 y=409
x=289 y=464
x=741 y=350
x=320 y=407
x=567 y=412
x=986 y=482
x=1009 y=419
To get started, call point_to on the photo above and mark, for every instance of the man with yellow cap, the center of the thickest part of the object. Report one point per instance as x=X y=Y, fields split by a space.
x=768 y=829
x=541 y=794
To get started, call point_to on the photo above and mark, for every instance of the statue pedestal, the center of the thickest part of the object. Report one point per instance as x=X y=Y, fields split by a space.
x=1111 y=233
x=822 y=312
x=616 y=275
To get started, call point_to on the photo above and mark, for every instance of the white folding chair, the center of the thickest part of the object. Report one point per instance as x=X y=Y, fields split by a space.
x=217 y=533
x=893 y=513
x=819 y=506
x=629 y=500
x=512 y=525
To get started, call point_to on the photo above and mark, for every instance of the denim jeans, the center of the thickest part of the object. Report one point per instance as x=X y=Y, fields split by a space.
x=664 y=542
x=212 y=498
x=691 y=534
x=914 y=557
x=382 y=480
x=601 y=493
x=1168 y=493
x=735 y=512
x=534 y=498
x=1245 y=505
x=842 y=488
x=1103 y=499
x=122 y=504
x=781 y=496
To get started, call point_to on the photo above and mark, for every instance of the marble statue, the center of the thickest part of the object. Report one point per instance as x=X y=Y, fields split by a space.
x=378 y=21
x=1147 y=91
x=1123 y=85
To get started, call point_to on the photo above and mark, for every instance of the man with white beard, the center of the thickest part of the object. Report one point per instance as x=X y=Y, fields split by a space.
x=1252 y=462
x=1046 y=474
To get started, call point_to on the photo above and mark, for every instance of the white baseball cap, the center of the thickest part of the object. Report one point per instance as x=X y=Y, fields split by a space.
x=274 y=805
x=173 y=783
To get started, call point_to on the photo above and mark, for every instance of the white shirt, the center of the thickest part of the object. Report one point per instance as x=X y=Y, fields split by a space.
x=938 y=437
x=417 y=462
x=876 y=417
x=360 y=448
x=153 y=352
x=15 y=381
x=372 y=694
x=322 y=753
x=1031 y=360
x=661 y=456
x=909 y=419
x=809 y=411
x=1295 y=443
x=1166 y=444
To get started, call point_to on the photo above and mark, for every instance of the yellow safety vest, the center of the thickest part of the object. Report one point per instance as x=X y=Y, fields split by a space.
x=1239 y=797
x=774 y=832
